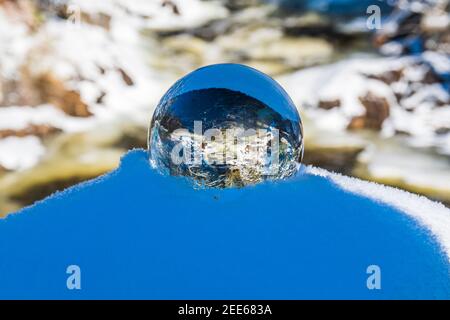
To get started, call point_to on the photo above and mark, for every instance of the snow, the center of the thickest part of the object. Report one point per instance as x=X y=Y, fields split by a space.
x=23 y=153
x=105 y=53
x=389 y=163
x=20 y=153
x=347 y=82
x=343 y=80
x=439 y=62
x=12 y=55
x=159 y=18
x=139 y=235
x=89 y=59
x=17 y=118
x=433 y=215
x=436 y=21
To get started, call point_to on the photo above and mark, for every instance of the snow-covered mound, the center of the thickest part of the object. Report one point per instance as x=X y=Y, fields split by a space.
x=137 y=234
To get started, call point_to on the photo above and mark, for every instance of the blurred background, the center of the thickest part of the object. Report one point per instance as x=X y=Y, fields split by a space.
x=79 y=81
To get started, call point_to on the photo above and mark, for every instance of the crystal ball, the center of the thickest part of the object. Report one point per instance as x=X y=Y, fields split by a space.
x=226 y=125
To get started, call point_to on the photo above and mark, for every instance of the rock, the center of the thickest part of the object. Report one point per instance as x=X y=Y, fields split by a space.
x=388 y=77
x=172 y=5
x=237 y=5
x=329 y=104
x=126 y=78
x=132 y=138
x=402 y=133
x=21 y=11
x=38 y=192
x=430 y=77
x=310 y=24
x=357 y=123
x=416 y=26
x=377 y=110
x=296 y=52
x=101 y=97
x=56 y=7
x=40 y=131
x=52 y=90
x=212 y=30
x=442 y=131
x=71 y=158
x=336 y=159
x=17 y=92
x=67 y=11
x=100 y=19
x=414 y=77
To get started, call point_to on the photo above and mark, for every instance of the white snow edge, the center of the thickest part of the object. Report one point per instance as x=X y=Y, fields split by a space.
x=432 y=215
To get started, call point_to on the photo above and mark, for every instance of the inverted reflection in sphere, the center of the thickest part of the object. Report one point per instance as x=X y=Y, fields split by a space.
x=226 y=125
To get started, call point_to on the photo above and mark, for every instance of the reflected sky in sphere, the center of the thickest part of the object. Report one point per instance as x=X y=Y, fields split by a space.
x=226 y=125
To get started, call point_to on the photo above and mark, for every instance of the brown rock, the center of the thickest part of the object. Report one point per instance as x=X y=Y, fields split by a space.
x=442 y=131
x=41 y=130
x=23 y=11
x=377 y=110
x=53 y=91
x=99 y=19
x=41 y=189
x=17 y=92
x=357 y=123
x=430 y=77
x=329 y=104
x=126 y=78
x=337 y=159
x=172 y=5
x=101 y=97
x=388 y=77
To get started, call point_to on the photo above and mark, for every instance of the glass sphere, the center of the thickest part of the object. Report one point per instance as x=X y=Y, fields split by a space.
x=226 y=125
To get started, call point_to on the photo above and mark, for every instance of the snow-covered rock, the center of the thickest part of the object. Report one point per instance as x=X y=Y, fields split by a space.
x=401 y=95
x=86 y=59
x=136 y=234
